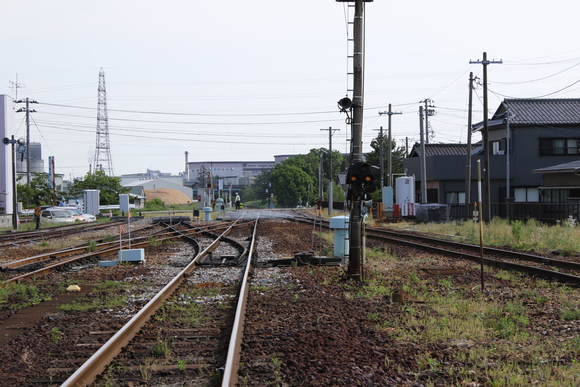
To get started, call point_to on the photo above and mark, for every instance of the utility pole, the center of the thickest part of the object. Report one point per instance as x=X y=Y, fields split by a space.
x=15 y=86
x=28 y=111
x=428 y=113
x=320 y=181
x=507 y=155
x=423 y=159
x=356 y=192
x=468 y=172
x=381 y=163
x=390 y=155
x=330 y=177
x=485 y=138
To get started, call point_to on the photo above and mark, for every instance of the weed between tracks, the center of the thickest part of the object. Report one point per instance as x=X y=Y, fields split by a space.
x=529 y=235
x=104 y=296
x=192 y=308
x=515 y=333
x=519 y=331
x=20 y=295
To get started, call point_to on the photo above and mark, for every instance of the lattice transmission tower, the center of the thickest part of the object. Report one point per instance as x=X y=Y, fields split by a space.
x=103 y=159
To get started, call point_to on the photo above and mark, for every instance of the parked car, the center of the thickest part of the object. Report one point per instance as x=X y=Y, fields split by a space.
x=56 y=215
x=78 y=214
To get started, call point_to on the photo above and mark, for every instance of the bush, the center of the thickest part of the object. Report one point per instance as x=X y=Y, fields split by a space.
x=154 y=205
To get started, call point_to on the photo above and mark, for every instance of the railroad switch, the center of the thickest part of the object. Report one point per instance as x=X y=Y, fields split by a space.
x=302 y=258
x=223 y=260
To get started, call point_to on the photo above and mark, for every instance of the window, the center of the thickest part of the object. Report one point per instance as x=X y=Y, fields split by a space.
x=526 y=194
x=574 y=194
x=498 y=147
x=455 y=197
x=559 y=146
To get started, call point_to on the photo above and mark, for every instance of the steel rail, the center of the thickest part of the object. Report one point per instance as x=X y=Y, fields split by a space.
x=110 y=250
x=377 y=233
x=545 y=273
x=230 y=377
x=97 y=363
x=101 y=247
x=395 y=237
x=19 y=237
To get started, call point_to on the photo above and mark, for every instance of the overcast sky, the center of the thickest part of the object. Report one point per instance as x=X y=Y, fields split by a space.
x=247 y=80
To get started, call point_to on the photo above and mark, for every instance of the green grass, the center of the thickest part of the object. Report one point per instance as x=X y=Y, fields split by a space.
x=564 y=237
x=489 y=339
x=104 y=296
x=22 y=295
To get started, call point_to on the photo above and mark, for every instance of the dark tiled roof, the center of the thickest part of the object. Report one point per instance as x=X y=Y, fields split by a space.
x=560 y=168
x=540 y=111
x=443 y=149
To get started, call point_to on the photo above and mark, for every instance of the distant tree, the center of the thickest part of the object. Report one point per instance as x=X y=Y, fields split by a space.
x=260 y=189
x=38 y=189
x=309 y=164
x=374 y=158
x=290 y=184
x=109 y=187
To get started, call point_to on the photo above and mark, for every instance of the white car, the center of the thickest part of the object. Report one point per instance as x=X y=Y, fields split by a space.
x=77 y=214
x=56 y=215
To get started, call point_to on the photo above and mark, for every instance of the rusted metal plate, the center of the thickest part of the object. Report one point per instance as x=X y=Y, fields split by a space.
x=441 y=270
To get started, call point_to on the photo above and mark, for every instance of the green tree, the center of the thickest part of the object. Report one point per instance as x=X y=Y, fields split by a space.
x=309 y=164
x=38 y=189
x=374 y=158
x=109 y=187
x=260 y=188
x=290 y=184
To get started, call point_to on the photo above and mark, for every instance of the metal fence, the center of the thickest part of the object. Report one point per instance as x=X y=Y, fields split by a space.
x=550 y=213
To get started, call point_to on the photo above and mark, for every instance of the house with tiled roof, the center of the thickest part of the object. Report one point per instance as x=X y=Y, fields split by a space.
x=560 y=183
x=446 y=168
x=540 y=132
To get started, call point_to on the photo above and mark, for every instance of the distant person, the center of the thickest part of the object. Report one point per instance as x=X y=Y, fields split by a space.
x=62 y=203
x=37 y=213
x=237 y=201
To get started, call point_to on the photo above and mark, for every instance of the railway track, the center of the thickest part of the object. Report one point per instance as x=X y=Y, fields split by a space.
x=192 y=320
x=15 y=238
x=62 y=259
x=564 y=270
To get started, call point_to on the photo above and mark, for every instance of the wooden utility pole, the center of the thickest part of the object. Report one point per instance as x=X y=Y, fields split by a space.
x=423 y=159
x=27 y=111
x=468 y=171
x=486 y=211
x=390 y=155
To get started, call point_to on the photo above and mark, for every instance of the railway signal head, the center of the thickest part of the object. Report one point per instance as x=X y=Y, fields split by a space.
x=359 y=173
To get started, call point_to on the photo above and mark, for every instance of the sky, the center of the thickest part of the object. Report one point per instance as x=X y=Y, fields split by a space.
x=231 y=80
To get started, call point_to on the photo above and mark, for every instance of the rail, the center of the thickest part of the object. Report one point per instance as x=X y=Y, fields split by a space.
x=97 y=363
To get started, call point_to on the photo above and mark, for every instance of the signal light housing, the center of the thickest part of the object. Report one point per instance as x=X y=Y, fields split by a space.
x=359 y=173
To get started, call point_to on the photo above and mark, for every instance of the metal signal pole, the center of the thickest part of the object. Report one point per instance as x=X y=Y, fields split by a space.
x=356 y=192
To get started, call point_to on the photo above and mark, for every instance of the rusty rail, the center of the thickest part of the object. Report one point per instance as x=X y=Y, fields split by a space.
x=97 y=363
x=232 y=366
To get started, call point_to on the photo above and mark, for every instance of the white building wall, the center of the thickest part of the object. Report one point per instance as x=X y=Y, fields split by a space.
x=6 y=130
